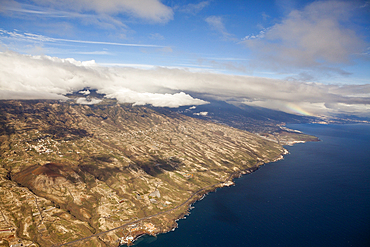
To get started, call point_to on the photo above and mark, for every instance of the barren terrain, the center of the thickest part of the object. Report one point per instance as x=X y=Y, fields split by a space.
x=107 y=173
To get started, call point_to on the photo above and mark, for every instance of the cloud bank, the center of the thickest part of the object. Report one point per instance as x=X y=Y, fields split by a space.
x=25 y=77
x=44 y=77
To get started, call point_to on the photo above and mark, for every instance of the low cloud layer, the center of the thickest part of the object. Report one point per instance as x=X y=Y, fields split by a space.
x=44 y=77
x=25 y=77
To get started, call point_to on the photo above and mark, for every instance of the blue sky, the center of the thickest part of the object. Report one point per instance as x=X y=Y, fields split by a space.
x=287 y=44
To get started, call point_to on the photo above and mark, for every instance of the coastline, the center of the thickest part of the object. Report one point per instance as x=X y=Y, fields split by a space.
x=297 y=195
x=198 y=197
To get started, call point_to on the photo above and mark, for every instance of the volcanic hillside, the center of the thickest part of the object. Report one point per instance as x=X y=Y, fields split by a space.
x=69 y=171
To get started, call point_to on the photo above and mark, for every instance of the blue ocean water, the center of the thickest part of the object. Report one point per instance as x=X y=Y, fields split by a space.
x=319 y=195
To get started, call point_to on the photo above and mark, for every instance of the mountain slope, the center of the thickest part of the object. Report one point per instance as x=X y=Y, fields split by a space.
x=265 y=122
x=70 y=171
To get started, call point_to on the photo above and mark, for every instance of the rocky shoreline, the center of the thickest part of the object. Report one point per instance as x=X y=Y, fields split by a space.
x=104 y=173
x=199 y=197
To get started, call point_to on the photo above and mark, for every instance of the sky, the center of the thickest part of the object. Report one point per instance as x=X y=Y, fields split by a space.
x=304 y=57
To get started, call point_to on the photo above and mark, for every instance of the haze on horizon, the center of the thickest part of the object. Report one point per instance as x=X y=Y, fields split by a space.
x=306 y=57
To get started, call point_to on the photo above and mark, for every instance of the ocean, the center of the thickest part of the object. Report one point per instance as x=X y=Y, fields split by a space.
x=319 y=195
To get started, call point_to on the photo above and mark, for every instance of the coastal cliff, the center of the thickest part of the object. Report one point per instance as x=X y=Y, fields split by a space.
x=101 y=175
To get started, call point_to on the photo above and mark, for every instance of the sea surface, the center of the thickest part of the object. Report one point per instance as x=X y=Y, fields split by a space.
x=319 y=195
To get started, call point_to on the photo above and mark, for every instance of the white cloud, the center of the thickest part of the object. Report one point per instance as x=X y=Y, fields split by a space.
x=28 y=95
x=166 y=49
x=94 y=53
x=216 y=23
x=202 y=113
x=107 y=14
x=260 y=35
x=193 y=8
x=31 y=37
x=85 y=92
x=318 y=37
x=152 y=10
x=27 y=11
x=44 y=77
x=155 y=99
x=23 y=76
x=156 y=36
x=86 y=101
